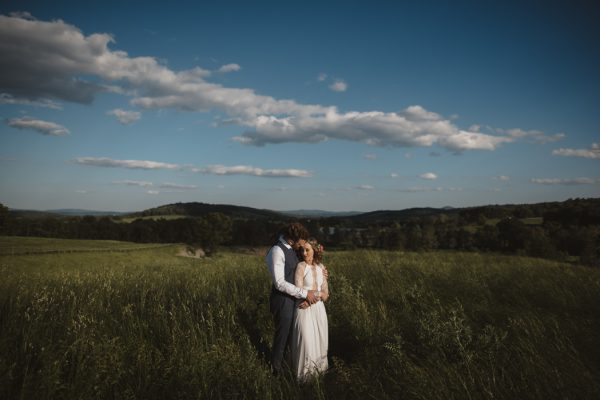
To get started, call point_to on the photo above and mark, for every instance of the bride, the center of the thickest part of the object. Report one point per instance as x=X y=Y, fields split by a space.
x=310 y=333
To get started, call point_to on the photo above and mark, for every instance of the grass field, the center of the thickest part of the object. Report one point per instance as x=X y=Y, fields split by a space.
x=11 y=245
x=121 y=321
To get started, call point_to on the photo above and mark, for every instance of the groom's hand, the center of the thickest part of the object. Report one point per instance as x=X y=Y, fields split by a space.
x=325 y=272
x=311 y=297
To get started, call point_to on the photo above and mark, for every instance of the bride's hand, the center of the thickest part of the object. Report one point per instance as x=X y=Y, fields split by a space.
x=304 y=305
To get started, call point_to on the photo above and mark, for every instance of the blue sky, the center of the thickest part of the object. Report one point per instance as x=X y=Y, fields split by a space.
x=339 y=106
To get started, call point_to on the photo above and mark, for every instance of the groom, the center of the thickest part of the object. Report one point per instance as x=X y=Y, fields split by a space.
x=282 y=261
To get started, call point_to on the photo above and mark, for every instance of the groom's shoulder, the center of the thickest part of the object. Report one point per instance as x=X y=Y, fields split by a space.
x=275 y=248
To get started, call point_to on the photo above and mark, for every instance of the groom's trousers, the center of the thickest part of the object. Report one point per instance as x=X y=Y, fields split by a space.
x=283 y=308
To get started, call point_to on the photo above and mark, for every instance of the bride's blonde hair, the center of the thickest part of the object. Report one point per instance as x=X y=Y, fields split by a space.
x=318 y=250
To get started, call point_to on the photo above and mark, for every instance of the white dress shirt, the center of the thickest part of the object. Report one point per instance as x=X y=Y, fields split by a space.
x=276 y=264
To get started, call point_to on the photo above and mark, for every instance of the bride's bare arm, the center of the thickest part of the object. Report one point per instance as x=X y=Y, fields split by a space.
x=324 y=287
x=299 y=281
x=299 y=274
x=325 y=271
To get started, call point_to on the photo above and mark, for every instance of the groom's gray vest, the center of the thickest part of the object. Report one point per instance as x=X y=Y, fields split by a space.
x=280 y=298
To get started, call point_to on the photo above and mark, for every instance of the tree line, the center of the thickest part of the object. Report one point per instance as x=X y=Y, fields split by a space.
x=564 y=231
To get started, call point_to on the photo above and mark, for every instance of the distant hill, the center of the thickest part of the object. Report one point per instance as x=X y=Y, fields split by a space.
x=581 y=210
x=398 y=215
x=69 y=212
x=196 y=209
x=319 y=213
x=32 y=214
x=75 y=211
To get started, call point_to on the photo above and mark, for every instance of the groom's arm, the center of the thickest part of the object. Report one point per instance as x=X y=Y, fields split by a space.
x=276 y=264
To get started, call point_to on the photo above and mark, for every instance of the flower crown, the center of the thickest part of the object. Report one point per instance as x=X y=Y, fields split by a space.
x=320 y=248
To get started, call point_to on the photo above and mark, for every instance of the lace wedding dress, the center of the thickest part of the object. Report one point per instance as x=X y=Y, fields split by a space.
x=310 y=335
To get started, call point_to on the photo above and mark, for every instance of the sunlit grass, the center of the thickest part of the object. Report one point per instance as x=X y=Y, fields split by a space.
x=14 y=245
x=149 y=324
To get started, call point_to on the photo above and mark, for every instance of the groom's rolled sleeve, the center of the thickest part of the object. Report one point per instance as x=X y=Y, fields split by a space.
x=276 y=264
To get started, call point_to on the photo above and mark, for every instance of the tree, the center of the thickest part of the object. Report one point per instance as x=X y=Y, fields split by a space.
x=4 y=218
x=487 y=238
x=211 y=231
x=512 y=234
x=538 y=244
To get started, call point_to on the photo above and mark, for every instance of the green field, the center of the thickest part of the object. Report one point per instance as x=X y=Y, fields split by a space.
x=122 y=320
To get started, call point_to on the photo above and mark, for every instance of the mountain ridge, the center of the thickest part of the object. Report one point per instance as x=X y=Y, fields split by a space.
x=199 y=209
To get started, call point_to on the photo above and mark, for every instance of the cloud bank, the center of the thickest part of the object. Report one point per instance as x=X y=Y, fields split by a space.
x=43 y=60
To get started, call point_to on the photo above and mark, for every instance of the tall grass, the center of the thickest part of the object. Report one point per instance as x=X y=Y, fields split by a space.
x=147 y=324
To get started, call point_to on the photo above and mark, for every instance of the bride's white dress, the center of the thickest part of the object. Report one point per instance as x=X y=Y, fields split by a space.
x=310 y=336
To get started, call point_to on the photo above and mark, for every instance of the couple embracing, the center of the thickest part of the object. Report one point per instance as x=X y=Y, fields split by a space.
x=299 y=289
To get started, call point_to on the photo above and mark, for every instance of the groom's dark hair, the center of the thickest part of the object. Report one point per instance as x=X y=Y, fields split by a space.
x=295 y=232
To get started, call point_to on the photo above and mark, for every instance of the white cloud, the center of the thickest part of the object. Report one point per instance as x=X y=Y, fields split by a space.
x=153 y=192
x=42 y=60
x=322 y=76
x=125 y=117
x=365 y=187
x=44 y=127
x=229 y=68
x=394 y=175
x=133 y=183
x=177 y=186
x=558 y=181
x=593 y=152
x=81 y=191
x=254 y=171
x=370 y=156
x=132 y=164
x=421 y=189
x=428 y=176
x=211 y=169
x=339 y=86
x=6 y=98
x=502 y=178
x=414 y=127
x=532 y=135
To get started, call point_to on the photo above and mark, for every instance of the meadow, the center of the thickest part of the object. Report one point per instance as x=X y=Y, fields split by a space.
x=98 y=320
